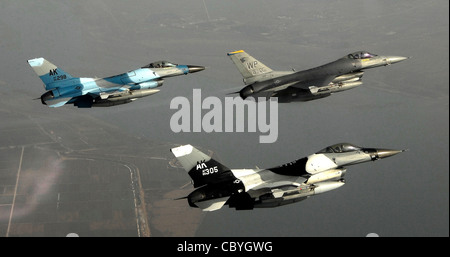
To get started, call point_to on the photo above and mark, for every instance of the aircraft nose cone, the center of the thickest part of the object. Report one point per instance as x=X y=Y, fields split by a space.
x=395 y=59
x=194 y=68
x=384 y=153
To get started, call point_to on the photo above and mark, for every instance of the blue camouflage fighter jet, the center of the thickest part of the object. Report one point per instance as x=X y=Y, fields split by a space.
x=124 y=88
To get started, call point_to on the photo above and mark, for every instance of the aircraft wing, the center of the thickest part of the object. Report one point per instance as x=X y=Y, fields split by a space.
x=324 y=81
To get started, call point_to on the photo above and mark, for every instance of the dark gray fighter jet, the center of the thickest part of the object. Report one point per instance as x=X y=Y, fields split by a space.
x=342 y=74
x=244 y=189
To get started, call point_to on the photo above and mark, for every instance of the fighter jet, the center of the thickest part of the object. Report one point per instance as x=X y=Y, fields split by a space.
x=245 y=189
x=124 y=88
x=340 y=75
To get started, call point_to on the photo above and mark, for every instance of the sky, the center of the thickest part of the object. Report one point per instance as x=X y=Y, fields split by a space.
x=402 y=106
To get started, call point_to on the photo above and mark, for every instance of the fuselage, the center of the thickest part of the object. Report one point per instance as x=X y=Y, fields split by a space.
x=339 y=75
x=62 y=88
x=143 y=78
x=288 y=183
x=336 y=68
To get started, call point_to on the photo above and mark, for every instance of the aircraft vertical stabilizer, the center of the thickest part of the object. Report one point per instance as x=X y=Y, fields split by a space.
x=201 y=167
x=48 y=72
x=247 y=65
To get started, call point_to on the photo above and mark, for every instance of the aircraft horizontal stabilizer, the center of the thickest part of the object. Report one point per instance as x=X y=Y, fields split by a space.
x=57 y=102
x=213 y=204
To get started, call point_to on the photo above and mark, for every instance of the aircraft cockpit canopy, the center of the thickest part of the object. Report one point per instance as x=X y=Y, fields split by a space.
x=361 y=55
x=340 y=148
x=160 y=64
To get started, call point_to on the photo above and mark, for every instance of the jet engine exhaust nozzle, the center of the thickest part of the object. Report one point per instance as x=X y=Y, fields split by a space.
x=46 y=96
x=246 y=92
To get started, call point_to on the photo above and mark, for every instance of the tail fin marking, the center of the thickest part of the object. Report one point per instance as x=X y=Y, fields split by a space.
x=201 y=167
x=247 y=65
x=48 y=72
